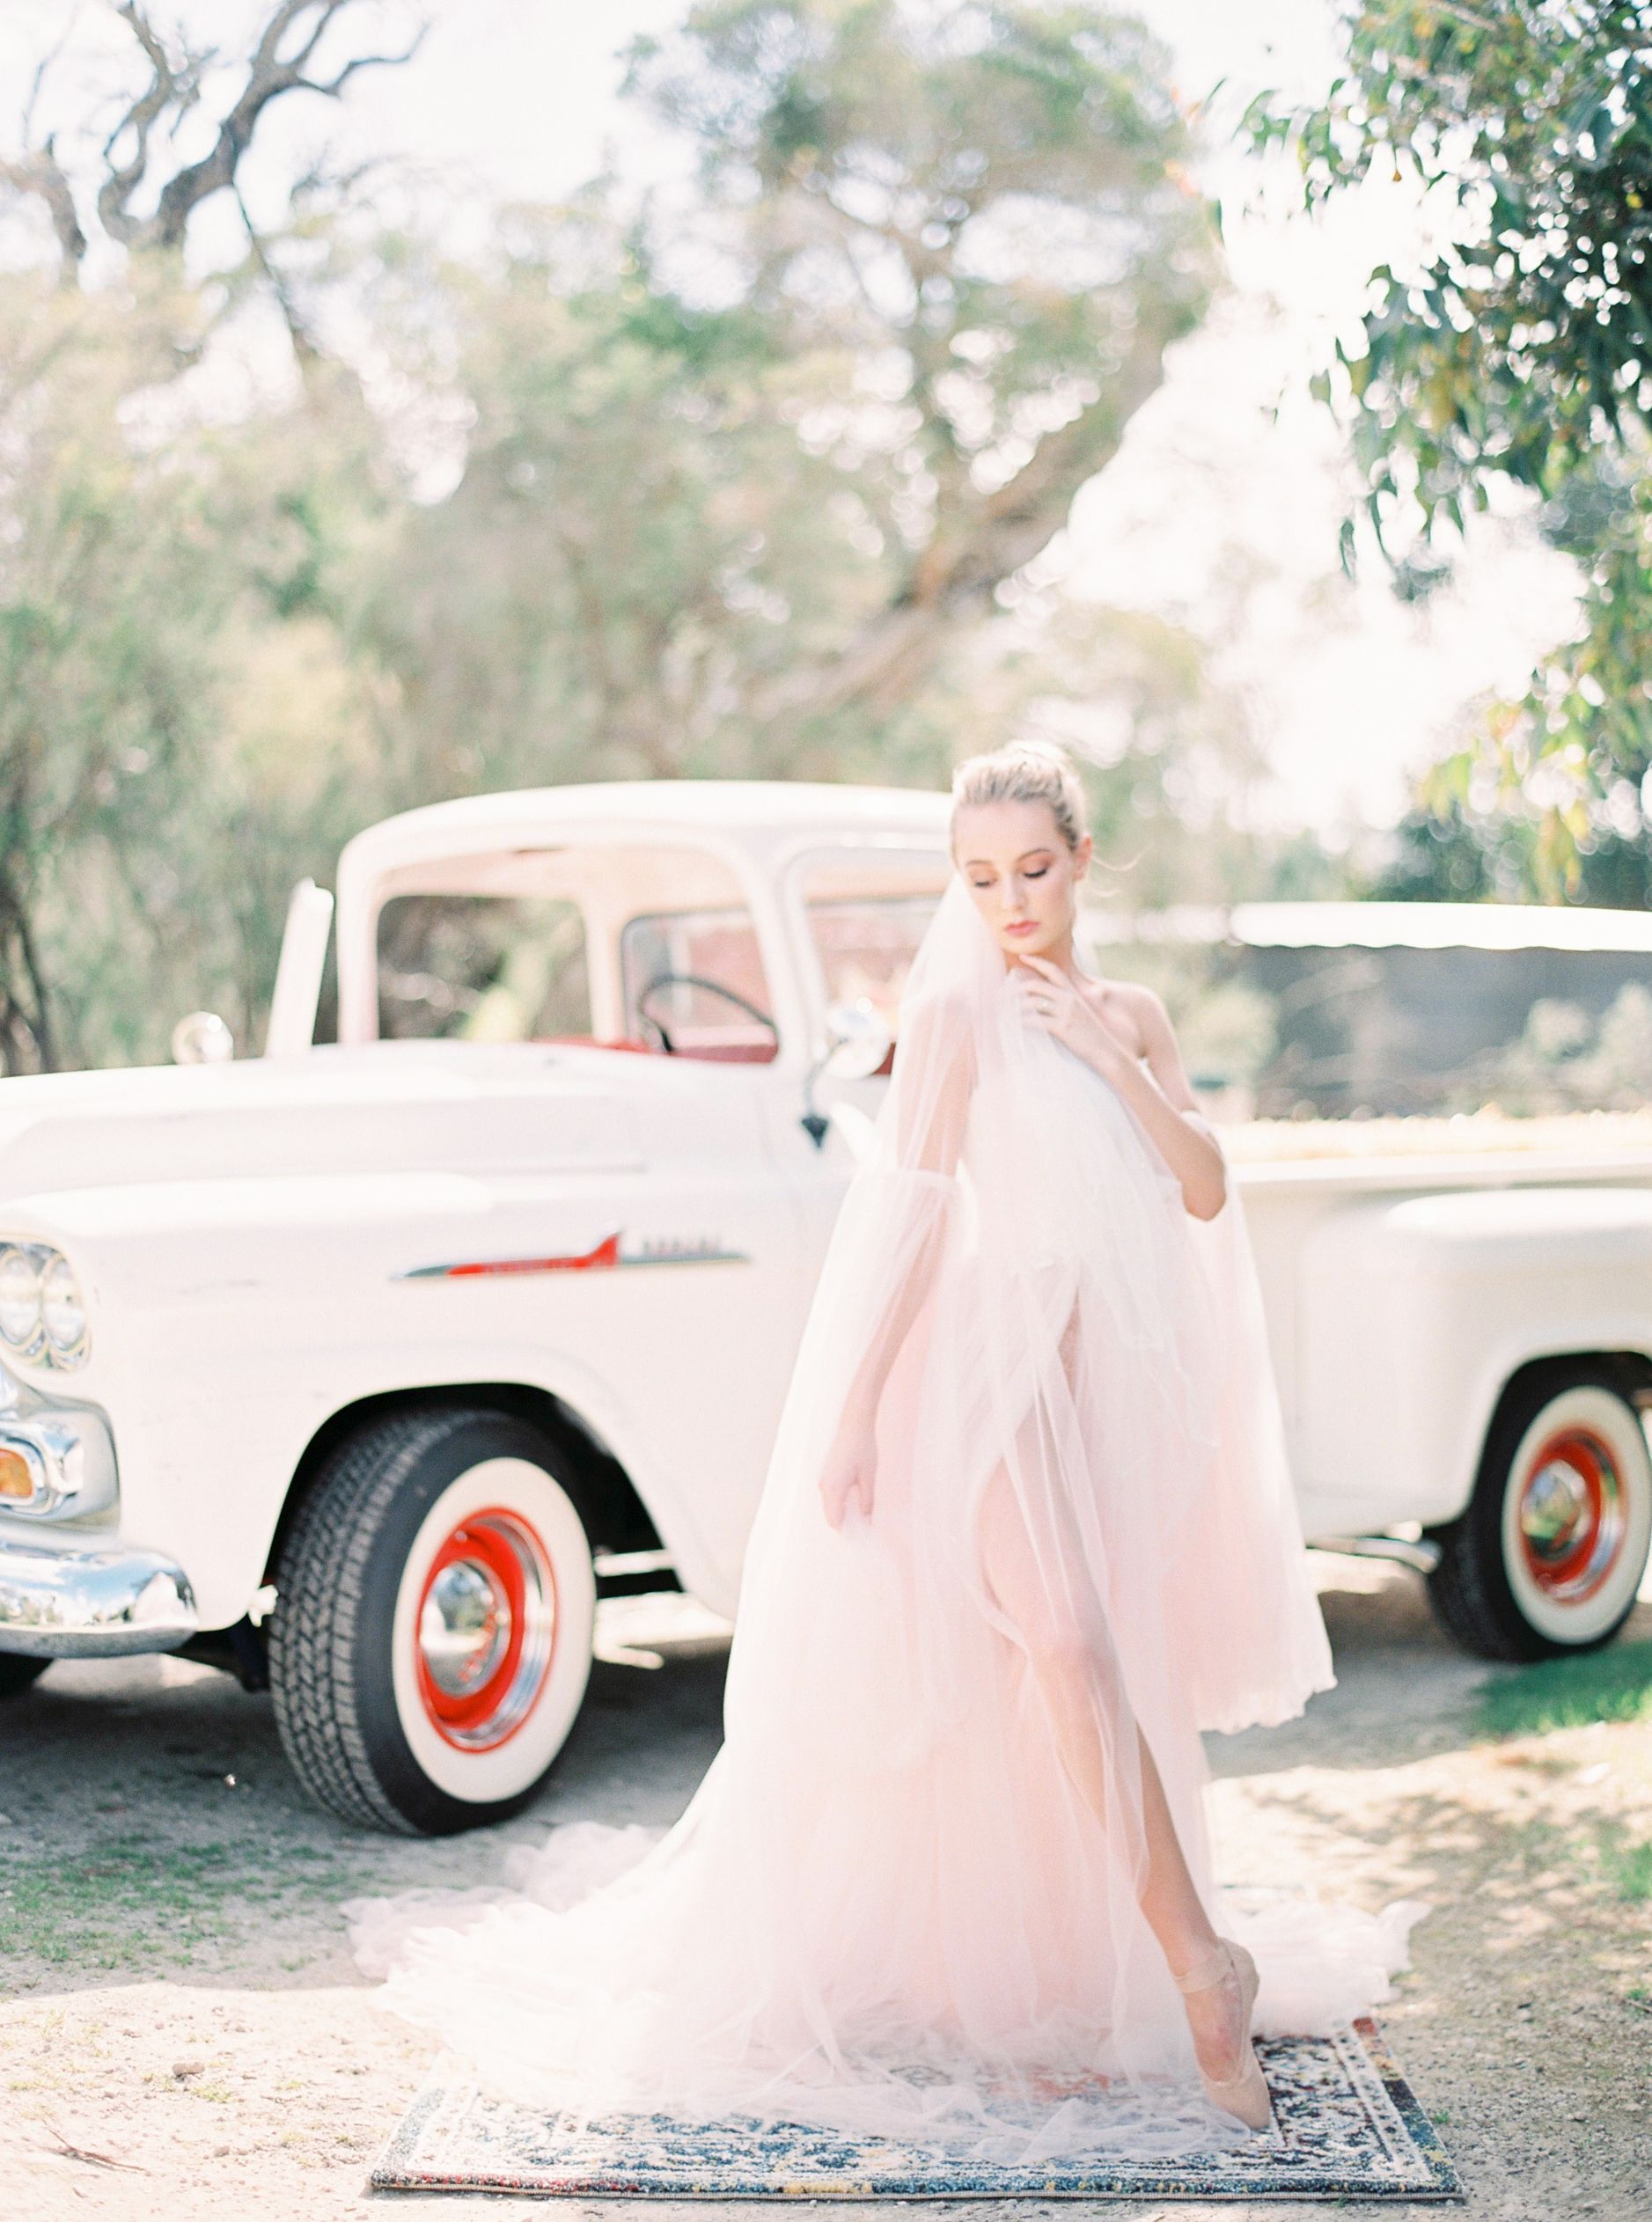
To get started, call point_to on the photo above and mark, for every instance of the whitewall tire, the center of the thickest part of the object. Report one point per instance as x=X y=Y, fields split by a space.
x=432 y=1641
x=1551 y=1553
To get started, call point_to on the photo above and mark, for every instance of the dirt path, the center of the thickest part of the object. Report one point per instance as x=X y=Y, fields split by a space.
x=180 y=1999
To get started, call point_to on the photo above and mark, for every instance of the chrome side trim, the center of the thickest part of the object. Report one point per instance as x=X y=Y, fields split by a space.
x=631 y=1562
x=608 y=1256
x=1422 y=1557
x=91 y=1604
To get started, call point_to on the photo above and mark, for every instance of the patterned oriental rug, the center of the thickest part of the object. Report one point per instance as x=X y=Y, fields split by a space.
x=1345 y=2126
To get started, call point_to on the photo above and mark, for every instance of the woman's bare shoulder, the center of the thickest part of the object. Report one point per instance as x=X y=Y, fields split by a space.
x=1154 y=1041
x=1138 y=1008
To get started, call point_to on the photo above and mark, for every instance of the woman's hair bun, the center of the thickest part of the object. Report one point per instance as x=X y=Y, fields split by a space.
x=1024 y=771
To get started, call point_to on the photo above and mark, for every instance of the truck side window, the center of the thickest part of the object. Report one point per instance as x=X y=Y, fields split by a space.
x=699 y=975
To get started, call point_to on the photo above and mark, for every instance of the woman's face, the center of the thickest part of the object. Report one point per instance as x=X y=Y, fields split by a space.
x=1021 y=874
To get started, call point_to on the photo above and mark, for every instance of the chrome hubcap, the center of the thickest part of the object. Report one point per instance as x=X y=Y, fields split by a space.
x=486 y=1629
x=1572 y=1516
x=464 y=1627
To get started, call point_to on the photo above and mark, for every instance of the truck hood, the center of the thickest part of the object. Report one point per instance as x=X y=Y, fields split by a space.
x=465 y=1106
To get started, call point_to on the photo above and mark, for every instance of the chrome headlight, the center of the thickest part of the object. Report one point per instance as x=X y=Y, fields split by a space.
x=63 y=1311
x=42 y=1313
x=20 y=1325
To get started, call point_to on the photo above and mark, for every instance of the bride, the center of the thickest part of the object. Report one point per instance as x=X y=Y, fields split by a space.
x=1027 y=1530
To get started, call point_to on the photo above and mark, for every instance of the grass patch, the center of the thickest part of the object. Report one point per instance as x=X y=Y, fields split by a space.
x=130 y=1903
x=1613 y=1685
x=1628 y=1867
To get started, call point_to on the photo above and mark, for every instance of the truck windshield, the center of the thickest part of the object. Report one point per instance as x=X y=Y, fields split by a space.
x=482 y=968
x=623 y=945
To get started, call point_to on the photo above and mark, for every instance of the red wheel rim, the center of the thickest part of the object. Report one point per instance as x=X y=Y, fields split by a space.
x=1571 y=1515
x=484 y=1629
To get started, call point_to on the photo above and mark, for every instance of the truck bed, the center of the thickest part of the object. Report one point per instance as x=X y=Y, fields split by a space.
x=1481 y=1149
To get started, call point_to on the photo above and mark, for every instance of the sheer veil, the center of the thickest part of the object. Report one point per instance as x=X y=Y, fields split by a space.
x=888 y=1907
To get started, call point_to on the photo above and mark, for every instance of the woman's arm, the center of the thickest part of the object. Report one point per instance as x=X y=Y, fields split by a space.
x=1155 y=1085
x=935 y=1090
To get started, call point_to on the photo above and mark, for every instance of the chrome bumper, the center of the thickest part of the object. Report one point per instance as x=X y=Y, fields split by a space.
x=91 y=1604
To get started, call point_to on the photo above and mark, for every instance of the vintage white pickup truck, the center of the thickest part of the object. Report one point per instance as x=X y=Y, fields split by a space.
x=367 y=1364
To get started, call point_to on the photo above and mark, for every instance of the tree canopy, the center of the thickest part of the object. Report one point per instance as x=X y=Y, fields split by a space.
x=749 y=477
x=1520 y=351
x=983 y=216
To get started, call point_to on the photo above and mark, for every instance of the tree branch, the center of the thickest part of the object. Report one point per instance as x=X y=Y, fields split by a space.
x=172 y=90
x=40 y=1025
x=268 y=78
x=305 y=352
x=972 y=554
x=170 y=86
x=41 y=175
x=38 y=172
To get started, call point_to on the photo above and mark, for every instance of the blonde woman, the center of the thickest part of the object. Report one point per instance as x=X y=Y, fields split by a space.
x=1026 y=1531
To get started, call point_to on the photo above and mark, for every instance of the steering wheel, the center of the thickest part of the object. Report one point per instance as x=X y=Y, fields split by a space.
x=693 y=980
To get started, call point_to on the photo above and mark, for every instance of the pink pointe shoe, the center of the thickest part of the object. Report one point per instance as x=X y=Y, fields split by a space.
x=1244 y=2094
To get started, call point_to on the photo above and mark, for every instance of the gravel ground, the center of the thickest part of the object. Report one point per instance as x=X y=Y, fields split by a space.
x=184 y=2036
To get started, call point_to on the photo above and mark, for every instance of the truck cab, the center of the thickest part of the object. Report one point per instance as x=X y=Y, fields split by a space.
x=399 y=1345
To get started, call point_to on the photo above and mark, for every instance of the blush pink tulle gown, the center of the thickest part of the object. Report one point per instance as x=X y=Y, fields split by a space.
x=888 y=1909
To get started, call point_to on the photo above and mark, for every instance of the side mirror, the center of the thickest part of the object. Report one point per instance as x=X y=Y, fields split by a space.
x=859 y=1040
x=201 y=1037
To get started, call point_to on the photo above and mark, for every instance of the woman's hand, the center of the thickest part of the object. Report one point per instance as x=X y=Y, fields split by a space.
x=1154 y=1085
x=1060 y=1006
x=848 y=1474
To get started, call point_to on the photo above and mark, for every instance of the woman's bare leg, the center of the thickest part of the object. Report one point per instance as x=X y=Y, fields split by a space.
x=1065 y=1667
